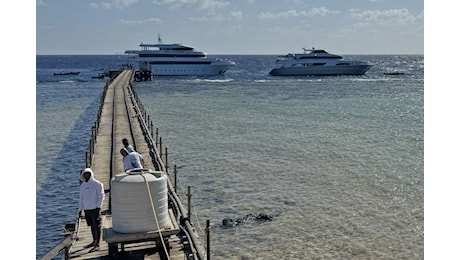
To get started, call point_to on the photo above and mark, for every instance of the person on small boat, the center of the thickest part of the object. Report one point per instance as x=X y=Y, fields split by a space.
x=91 y=198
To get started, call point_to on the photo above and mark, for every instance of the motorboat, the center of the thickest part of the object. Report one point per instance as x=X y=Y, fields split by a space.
x=174 y=59
x=317 y=62
x=64 y=73
x=99 y=76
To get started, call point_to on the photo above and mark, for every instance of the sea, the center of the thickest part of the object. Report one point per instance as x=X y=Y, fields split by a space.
x=335 y=164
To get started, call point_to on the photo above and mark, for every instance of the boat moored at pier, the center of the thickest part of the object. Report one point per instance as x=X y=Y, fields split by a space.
x=174 y=59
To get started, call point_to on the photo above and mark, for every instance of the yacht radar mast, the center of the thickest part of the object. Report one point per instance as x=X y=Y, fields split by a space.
x=159 y=39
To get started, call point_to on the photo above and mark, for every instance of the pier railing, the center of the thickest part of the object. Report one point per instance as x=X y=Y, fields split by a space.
x=157 y=157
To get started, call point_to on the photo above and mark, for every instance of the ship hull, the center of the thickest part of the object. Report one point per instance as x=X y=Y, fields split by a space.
x=320 y=71
x=189 y=69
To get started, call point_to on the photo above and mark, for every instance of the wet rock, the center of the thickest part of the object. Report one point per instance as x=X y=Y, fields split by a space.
x=249 y=217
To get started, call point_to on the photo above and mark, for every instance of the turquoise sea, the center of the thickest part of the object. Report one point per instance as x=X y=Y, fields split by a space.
x=337 y=161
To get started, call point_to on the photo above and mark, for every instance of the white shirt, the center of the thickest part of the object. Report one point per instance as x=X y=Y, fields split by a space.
x=91 y=193
x=132 y=161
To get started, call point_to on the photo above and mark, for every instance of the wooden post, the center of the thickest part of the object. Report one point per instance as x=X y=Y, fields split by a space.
x=66 y=253
x=151 y=127
x=93 y=133
x=148 y=119
x=156 y=137
x=86 y=159
x=189 y=206
x=208 y=241
x=175 y=178
x=166 y=158
x=161 y=150
x=90 y=146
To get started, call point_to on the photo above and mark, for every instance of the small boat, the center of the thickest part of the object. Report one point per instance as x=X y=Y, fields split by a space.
x=317 y=62
x=176 y=59
x=63 y=73
x=99 y=76
x=393 y=73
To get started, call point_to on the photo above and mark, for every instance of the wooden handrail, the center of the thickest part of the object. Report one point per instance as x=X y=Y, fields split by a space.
x=65 y=244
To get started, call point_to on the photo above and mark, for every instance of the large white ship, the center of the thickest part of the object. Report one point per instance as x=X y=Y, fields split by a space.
x=317 y=62
x=176 y=59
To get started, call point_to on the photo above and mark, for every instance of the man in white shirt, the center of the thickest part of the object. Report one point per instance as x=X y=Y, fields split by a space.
x=91 y=198
x=132 y=160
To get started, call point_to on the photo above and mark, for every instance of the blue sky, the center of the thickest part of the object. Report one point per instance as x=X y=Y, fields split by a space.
x=231 y=26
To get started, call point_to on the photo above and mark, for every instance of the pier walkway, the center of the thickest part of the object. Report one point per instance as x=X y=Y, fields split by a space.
x=121 y=115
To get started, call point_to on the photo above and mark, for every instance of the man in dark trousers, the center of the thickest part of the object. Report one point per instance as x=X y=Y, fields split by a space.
x=91 y=198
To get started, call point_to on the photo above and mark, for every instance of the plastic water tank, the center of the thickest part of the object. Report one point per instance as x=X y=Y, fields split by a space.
x=131 y=205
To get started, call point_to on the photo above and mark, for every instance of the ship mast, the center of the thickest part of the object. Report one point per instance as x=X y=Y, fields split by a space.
x=159 y=39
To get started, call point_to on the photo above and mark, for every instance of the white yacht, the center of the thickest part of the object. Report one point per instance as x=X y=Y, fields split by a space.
x=317 y=62
x=176 y=59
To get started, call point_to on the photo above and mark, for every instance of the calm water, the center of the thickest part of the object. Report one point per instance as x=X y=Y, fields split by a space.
x=337 y=161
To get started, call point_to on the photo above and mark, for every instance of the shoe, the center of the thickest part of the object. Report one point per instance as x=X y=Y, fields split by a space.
x=90 y=245
x=94 y=249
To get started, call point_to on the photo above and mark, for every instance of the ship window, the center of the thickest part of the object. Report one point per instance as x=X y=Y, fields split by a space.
x=316 y=64
x=343 y=63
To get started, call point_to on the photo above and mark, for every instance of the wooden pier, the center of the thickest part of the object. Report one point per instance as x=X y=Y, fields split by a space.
x=121 y=115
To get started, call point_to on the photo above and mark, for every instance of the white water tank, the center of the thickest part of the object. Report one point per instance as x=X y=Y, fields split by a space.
x=131 y=206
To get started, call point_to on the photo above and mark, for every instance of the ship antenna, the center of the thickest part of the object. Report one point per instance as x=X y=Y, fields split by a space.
x=159 y=39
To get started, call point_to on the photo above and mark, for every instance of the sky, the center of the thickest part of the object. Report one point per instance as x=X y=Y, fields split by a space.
x=231 y=26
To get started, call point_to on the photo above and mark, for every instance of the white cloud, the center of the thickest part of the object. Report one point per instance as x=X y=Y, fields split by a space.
x=139 y=22
x=236 y=15
x=120 y=4
x=217 y=17
x=41 y=3
x=201 y=4
x=209 y=17
x=390 y=16
x=320 y=11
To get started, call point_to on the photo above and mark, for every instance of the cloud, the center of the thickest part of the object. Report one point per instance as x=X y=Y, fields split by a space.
x=209 y=17
x=120 y=4
x=320 y=11
x=383 y=17
x=236 y=14
x=41 y=3
x=139 y=22
x=217 y=17
x=200 y=4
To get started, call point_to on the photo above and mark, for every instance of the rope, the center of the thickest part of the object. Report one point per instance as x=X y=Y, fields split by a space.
x=155 y=214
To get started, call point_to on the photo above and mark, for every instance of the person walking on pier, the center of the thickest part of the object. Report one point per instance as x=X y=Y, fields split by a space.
x=127 y=145
x=91 y=198
x=132 y=160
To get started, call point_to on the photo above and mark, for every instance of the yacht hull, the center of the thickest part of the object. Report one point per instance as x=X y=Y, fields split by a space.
x=320 y=71
x=189 y=70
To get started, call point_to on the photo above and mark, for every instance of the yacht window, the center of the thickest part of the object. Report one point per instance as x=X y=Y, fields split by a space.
x=343 y=63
